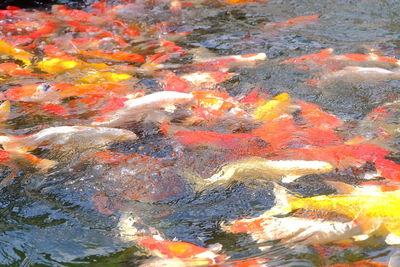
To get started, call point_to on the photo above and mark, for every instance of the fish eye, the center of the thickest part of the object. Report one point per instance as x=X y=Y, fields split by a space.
x=45 y=87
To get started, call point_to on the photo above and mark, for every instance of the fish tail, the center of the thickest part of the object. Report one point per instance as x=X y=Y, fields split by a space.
x=11 y=143
x=4 y=110
x=282 y=201
x=197 y=182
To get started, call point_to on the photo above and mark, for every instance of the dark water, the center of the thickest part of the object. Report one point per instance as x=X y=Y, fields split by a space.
x=53 y=222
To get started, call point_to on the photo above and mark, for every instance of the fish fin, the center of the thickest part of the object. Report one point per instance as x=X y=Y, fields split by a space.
x=368 y=225
x=360 y=237
x=15 y=144
x=282 y=201
x=392 y=239
x=341 y=188
x=197 y=182
x=9 y=177
x=290 y=178
x=45 y=164
x=4 y=110
x=394 y=260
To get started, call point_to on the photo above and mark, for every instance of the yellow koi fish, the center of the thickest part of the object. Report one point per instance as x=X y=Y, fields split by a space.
x=16 y=53
x=374 y=210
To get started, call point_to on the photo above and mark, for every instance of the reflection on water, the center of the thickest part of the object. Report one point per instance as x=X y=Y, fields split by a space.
x=69 y=215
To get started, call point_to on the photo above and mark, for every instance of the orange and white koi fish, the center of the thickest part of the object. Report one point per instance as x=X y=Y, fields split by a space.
x=80 y=137
x=134 y=109
x=191 y=254
x=293 y=230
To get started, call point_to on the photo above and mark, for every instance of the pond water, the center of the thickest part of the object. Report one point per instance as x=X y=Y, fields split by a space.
x=69 y=214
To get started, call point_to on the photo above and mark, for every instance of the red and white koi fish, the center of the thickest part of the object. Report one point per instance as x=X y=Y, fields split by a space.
x=58 y=137
x=134 y=109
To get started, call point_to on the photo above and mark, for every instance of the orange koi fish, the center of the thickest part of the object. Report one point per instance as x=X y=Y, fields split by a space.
x=363 y=263
x=37 y=92
x=17 y=160
x=119 y=56
x=303 y=20
x=315 y=117
x=12 y=69
x=220 y=140
x=294 y=135
x=304 y=62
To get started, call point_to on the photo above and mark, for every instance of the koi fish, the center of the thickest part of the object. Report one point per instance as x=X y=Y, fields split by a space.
x=294 y=135
x=134 y=109
x=16 y=53
x=45 y=92
x=304 y=62
x=16 y=160
x=104 y=77
x=295 y=21
x=253 y=168
x=373 y=211
x=12 y=69
x=118 y=56
x=165 y=249
x=359 y=74
x=314 y=116
x=224 y=63
x=82 y=137
x=293 y=230
x=273 y=108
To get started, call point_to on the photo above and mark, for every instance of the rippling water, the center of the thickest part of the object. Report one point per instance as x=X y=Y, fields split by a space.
x=54 y=222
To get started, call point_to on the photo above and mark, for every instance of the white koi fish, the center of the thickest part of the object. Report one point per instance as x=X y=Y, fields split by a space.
x=77 y=136
x=293 y=230
x=253 y=168
x=134 y=109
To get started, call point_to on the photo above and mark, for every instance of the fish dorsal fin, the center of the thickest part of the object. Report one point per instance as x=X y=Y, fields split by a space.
x=282 y=201
x=290 y=178
x=342 y=188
